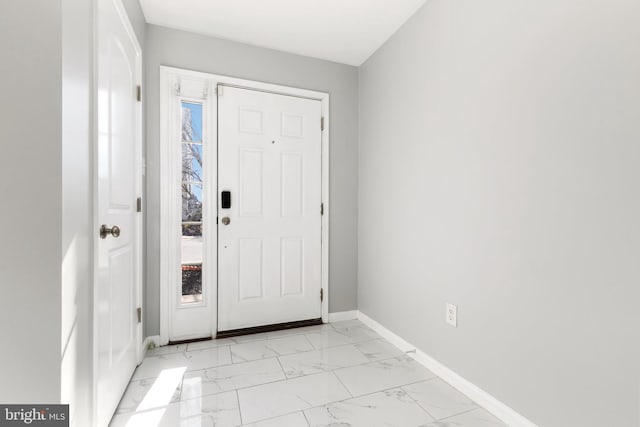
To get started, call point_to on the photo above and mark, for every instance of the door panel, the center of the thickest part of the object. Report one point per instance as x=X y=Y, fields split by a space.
x=116 y=294
x=250 y=271
x=251 y=191
x=269 y=150
x=292 y=267
x=292 y=184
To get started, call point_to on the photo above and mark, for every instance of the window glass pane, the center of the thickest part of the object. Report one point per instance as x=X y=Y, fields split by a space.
x=192 y=264
x=191 y=229
x=191 y=202
x=192 y=162
x=191 y=249
x=191 y=122
x=191 y=283
x=192 y=184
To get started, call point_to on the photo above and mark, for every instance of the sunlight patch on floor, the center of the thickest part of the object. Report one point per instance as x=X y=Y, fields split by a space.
x=163 y=389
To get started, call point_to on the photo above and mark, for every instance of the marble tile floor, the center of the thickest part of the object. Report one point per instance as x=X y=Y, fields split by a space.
x=341 y=374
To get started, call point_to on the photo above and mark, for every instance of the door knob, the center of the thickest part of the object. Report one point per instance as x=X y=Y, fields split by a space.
x=226 y=220
x=114 y=231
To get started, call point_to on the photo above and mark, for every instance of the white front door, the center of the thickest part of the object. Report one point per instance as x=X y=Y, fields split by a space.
x=269 y=241
x=118 y=73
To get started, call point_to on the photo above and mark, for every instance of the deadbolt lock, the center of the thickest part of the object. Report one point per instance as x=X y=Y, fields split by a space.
x=226 y=220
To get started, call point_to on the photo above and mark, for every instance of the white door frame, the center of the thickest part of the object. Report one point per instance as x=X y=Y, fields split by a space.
x=169 y=78
x=198 y=90
x=138 y=190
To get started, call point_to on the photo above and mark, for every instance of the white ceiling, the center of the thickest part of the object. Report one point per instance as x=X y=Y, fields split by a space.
x=346 y=31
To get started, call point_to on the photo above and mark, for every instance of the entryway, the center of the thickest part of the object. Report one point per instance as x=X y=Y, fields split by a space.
x=245 y=189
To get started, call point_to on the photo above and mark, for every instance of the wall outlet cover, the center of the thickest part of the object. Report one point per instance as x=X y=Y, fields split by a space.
x=452 y=315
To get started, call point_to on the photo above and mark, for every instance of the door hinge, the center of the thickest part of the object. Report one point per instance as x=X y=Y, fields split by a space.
x=139 y=204
x=322 y=123
x=139 y=311
x=139 y=93
x=321 y=209
x=321 y=294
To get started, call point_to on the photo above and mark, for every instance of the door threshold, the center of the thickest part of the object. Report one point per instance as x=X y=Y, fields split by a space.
x=189 y=341
x=269 y=328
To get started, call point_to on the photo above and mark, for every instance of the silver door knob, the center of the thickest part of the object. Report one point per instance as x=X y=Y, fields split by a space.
x=226 y=220
x=105 y=231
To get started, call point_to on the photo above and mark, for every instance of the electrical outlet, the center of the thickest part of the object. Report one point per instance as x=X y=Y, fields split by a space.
x=452 y=315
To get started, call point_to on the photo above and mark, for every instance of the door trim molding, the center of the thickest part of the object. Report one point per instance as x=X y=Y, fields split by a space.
x=168 y=77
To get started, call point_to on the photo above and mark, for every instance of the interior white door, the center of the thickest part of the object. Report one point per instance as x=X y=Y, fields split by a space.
x=116 y=292
x=269 y=160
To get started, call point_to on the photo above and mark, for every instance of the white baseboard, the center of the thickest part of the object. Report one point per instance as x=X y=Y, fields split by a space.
x=475 y=393
x=343 y=315
x=155 y=339
x=385 y=333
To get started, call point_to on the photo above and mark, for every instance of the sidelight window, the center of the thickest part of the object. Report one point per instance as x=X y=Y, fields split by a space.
x=192 y=197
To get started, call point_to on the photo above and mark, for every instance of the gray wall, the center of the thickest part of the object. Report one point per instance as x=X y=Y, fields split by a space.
x=499 y=153
x=30 y=191
x=200 y=53
x=138 y=22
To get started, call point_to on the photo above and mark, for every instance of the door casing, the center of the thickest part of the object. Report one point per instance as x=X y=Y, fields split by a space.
x=170 y=78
